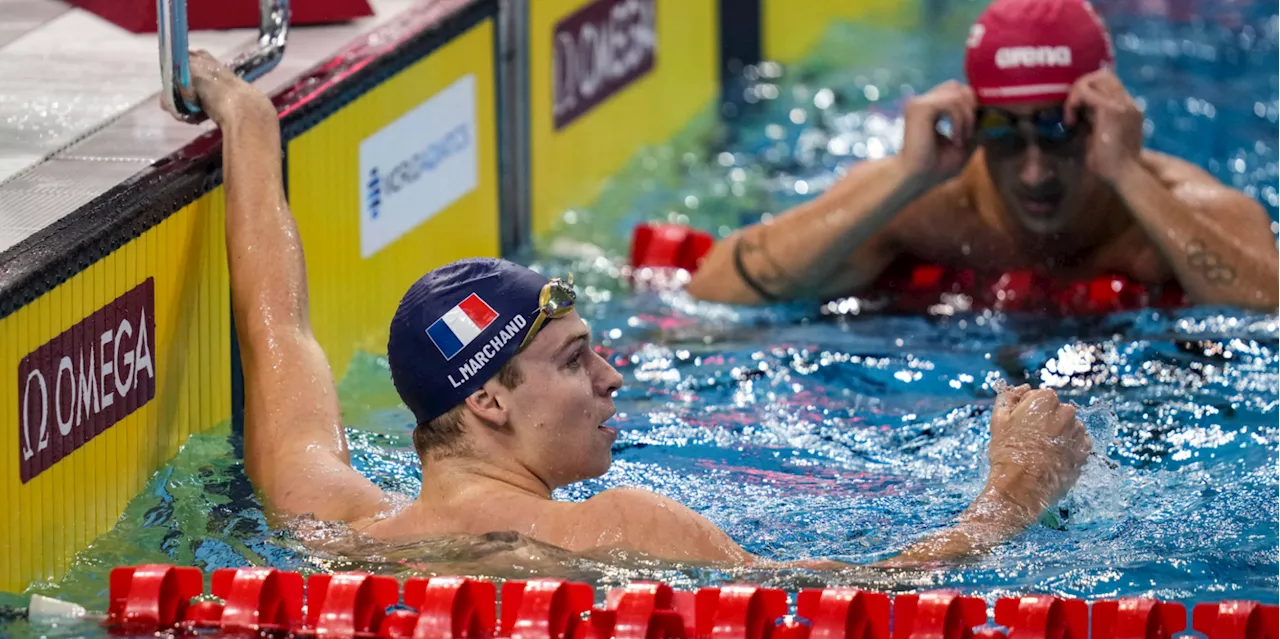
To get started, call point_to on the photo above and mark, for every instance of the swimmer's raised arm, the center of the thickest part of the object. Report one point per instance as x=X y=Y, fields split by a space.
x=842 y=239
x=1036 y=451
x=1217 y=240
x=295 y=448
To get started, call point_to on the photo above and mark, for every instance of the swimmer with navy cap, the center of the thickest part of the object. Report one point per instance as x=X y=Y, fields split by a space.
x=1036 y=165
x=510 y=399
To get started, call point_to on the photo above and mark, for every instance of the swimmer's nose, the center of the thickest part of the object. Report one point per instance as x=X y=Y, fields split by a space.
x=1035 y=170
x=611 y=380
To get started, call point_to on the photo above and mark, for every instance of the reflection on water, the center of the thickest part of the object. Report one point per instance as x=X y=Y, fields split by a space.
x=811 y=434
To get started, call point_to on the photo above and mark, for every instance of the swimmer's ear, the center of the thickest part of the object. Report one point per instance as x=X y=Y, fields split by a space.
x=488 y=407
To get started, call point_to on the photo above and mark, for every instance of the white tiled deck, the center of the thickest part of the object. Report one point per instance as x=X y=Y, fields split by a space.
x=79 y=108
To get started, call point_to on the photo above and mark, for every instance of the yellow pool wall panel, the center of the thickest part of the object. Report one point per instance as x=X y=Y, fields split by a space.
x=571 y=164
x=179 y=268
x=353 y=295
x=791 y=29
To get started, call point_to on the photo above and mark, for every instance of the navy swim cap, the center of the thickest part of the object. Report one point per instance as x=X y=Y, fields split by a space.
x=456 y=327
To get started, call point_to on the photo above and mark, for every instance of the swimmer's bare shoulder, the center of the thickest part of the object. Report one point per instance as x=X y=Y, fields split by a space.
x=1197 y=187
x=629 y=519
x=641 y=521
x=1174 y=171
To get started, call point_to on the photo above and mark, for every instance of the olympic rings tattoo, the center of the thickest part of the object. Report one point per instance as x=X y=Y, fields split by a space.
x=1209 y=264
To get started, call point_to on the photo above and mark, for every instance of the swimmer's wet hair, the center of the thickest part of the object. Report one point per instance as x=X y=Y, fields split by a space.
x=441 y=437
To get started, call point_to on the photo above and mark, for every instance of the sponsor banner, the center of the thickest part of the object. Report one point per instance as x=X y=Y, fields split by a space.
x=600 y=49
x=399 y=181
x=606 y=79
x=87 y=379
x=102 y=379
x=418 y=165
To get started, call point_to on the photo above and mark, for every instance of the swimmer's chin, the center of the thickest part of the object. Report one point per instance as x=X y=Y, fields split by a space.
x=1042 y=217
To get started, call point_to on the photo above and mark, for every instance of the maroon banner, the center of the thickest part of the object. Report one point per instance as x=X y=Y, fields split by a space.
x=602 y=48
x=139 y=16
x=86 y=379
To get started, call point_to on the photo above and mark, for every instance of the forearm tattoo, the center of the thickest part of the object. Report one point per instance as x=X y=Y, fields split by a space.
x=765 y=275
x=1210 y=264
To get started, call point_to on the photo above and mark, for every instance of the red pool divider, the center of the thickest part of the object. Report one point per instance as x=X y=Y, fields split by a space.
x=1043 y=617
x=660 y=245
x=268 y=602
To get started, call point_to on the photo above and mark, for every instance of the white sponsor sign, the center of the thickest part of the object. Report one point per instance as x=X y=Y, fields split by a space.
x=418 y=165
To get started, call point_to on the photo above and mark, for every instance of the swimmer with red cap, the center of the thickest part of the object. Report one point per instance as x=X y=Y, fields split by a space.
x=1044 y=171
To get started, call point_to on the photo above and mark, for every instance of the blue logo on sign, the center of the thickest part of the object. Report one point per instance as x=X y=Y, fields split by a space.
x=386 y=184
x=375 y=193
x=411 y=169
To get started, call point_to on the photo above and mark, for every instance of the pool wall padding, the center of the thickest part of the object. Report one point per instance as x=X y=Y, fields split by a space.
x=788 y=33
x=570 y=163
x=181 y=266
x=156 y=243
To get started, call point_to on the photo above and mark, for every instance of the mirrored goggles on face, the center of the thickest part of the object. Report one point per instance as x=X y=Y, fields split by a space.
x=1004 y=129
x=555 y=301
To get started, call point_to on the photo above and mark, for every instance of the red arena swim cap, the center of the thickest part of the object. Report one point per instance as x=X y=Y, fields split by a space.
x=1032 y=50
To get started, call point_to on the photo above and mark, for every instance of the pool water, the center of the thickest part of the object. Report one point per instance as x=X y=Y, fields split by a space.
x=809 y=433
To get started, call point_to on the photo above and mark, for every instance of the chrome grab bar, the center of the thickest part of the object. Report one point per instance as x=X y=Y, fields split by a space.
x=175 y=61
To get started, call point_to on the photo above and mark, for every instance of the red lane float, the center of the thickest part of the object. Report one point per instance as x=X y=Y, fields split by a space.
x=745 y=612
x=1137 y=618
x=937 y=615
x=257 y=599
x=918 y=287
x=1038 y=617
x=657 y=245
x=268 y=602
x=844 y=613
x=1236 y=620
x=349 y=604
x=151 y=597
x=544 y=608
x=451 y=607
x=646 y=610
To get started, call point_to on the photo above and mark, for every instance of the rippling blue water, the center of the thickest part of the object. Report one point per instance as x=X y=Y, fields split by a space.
x=807 y=435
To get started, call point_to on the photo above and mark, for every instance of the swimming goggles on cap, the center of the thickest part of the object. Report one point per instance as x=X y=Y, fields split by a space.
x=555 y=301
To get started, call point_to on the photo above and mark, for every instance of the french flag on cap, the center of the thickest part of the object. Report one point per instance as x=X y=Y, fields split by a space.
x=460 y=325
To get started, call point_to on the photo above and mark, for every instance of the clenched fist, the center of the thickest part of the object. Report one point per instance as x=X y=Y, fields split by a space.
x=1037 y=448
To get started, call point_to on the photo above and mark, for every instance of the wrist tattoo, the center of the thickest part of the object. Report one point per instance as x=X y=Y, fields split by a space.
x=1210 y=264
x=765 y=275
